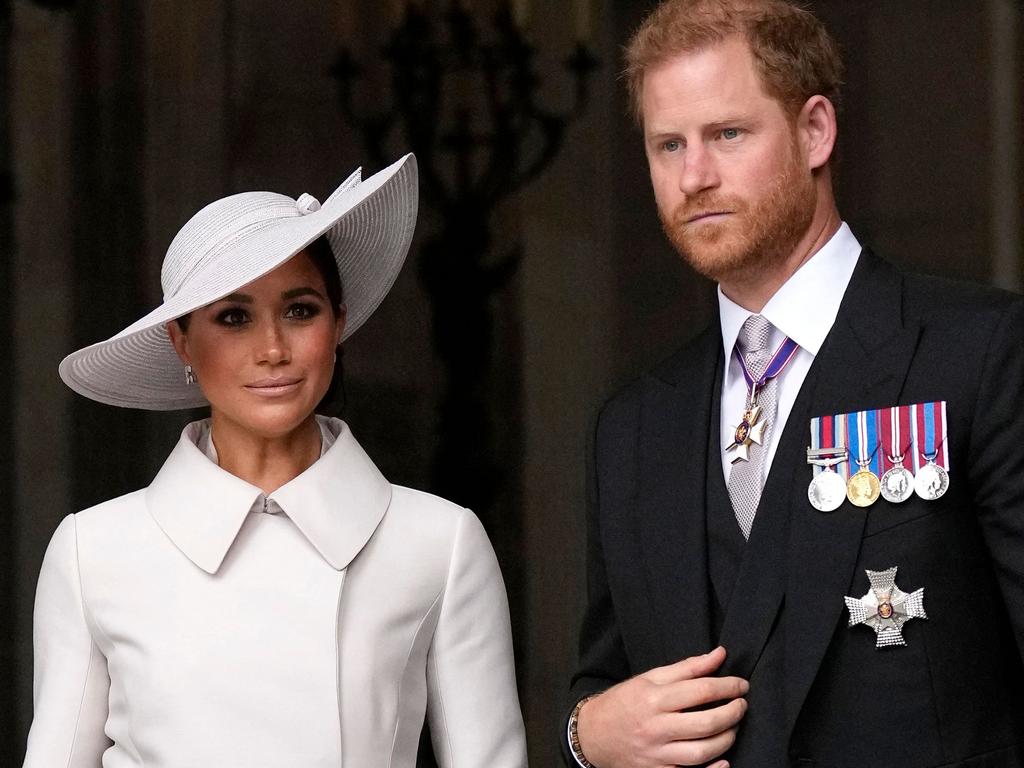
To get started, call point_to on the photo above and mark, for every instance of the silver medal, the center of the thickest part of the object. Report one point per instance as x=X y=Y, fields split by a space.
x=897 y=484
x=931 y=482
x=827 y=491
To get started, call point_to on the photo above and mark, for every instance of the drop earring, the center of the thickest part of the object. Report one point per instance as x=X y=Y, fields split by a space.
x=190 y=375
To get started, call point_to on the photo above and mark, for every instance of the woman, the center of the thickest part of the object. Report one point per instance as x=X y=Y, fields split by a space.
x=270 y=599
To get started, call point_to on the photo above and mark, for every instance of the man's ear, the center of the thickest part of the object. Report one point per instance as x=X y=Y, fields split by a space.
x=179 y=339
x=817 y=129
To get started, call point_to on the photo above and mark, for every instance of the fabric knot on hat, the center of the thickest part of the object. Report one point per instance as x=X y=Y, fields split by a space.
x=307 y=204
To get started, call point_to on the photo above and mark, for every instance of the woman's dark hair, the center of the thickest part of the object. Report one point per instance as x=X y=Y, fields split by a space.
x=322 y=256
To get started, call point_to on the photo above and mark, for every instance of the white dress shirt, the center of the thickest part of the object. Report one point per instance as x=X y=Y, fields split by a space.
x=804 y=309
x=178 y=626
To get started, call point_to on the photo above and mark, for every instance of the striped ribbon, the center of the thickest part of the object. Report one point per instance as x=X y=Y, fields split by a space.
x=918 y=431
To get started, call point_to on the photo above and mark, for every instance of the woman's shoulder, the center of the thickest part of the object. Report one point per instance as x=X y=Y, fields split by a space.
x=432 y=522
x=112 y=512
x=102 y=528
x=423 y=503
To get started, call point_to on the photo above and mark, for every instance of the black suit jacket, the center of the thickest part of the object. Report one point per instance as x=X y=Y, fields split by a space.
x=954 y=695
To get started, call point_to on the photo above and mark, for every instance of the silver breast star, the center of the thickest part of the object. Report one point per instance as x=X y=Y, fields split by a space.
x=886 y=608
x=749 y=430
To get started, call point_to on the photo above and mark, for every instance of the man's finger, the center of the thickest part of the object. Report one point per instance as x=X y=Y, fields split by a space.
x=703 y=724
x=697 y=752
x=686 y=694
x=687 y=669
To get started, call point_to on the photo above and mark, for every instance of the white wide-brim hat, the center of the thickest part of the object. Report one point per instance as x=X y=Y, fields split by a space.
x=234 y=241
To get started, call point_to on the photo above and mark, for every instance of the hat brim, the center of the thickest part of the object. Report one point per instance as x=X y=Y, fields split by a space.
x=370 y=227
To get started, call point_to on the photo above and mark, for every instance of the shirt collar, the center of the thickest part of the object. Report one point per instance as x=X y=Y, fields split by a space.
x=806 y=305
x=336 y=503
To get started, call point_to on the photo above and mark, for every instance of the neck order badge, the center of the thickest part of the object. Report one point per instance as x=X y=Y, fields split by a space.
x=751 y=426
x=880 y=442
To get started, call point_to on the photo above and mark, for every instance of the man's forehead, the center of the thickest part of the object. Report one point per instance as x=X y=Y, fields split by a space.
x=715 y=83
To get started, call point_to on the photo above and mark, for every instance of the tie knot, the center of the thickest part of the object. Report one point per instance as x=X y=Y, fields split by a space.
x=754 y=335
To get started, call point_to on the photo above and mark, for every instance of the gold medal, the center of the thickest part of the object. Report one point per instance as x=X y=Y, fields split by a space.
x=863 y=489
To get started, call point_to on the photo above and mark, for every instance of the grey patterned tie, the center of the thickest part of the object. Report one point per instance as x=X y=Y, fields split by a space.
x=746 y=478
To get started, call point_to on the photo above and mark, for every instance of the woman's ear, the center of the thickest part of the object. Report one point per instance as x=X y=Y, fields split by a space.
x=179 y=339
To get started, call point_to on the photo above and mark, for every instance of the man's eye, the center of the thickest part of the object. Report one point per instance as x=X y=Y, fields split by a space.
x=302 y=311
x=730 y=133
x=233 y=316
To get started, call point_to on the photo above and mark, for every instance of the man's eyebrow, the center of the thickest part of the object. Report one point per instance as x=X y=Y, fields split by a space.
x=304 y=291
x=730 y=122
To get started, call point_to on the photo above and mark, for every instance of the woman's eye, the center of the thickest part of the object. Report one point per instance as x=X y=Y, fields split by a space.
x=232 y=317
x=302 y=311
x=672 y=145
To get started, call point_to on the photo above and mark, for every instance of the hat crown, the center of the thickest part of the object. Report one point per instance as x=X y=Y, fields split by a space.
x=215 y=229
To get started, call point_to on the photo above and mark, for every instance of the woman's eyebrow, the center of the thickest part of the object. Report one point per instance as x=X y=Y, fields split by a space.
x=241 y=298
x=294 y=292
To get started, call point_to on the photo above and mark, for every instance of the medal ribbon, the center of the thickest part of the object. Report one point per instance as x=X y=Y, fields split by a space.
x=782 y=357
x=907 y=430
x=930 y=427
x=825 y=434
x=862 y=433
x=894 y=426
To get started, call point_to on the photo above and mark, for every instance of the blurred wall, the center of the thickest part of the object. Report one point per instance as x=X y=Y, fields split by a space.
x=125 y=117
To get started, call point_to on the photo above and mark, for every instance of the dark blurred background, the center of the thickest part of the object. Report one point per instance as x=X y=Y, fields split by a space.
x=539 y=279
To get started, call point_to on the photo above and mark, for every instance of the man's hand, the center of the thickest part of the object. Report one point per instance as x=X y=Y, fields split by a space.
x=639 y=723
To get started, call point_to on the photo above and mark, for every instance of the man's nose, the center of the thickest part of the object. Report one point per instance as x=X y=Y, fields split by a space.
x=698 y=172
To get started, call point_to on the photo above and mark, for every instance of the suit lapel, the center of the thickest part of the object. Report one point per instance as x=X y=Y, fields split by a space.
x=761 y=583
x=671 y=504
x=862 y=365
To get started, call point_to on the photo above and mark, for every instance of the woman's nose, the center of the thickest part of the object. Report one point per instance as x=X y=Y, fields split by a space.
x=274 y=345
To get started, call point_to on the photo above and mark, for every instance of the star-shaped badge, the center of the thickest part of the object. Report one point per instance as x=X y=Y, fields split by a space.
x=886 y=608
x=749 y=430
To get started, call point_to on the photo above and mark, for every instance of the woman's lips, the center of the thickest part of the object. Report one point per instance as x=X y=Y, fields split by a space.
x=274 y=387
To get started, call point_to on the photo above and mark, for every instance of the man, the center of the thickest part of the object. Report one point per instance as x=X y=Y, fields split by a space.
x=741 y=611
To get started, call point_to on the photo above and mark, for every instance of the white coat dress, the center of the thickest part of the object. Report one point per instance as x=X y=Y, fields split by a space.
x=180 y=625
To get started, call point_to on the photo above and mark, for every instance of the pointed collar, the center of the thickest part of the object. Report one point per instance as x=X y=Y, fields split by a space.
x=336 y=503
x=806 y=305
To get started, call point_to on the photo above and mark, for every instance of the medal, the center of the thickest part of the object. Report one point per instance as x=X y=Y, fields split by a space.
x=897 y=481
x=932 y=479
x=827 y=489
x=749 y=431
x=886 y=608
x=863 y=487
x=751 y=427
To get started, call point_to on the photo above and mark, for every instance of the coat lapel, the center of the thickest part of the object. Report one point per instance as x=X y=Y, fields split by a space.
x=862 y=365
x=671 y=505
x=760 y=586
